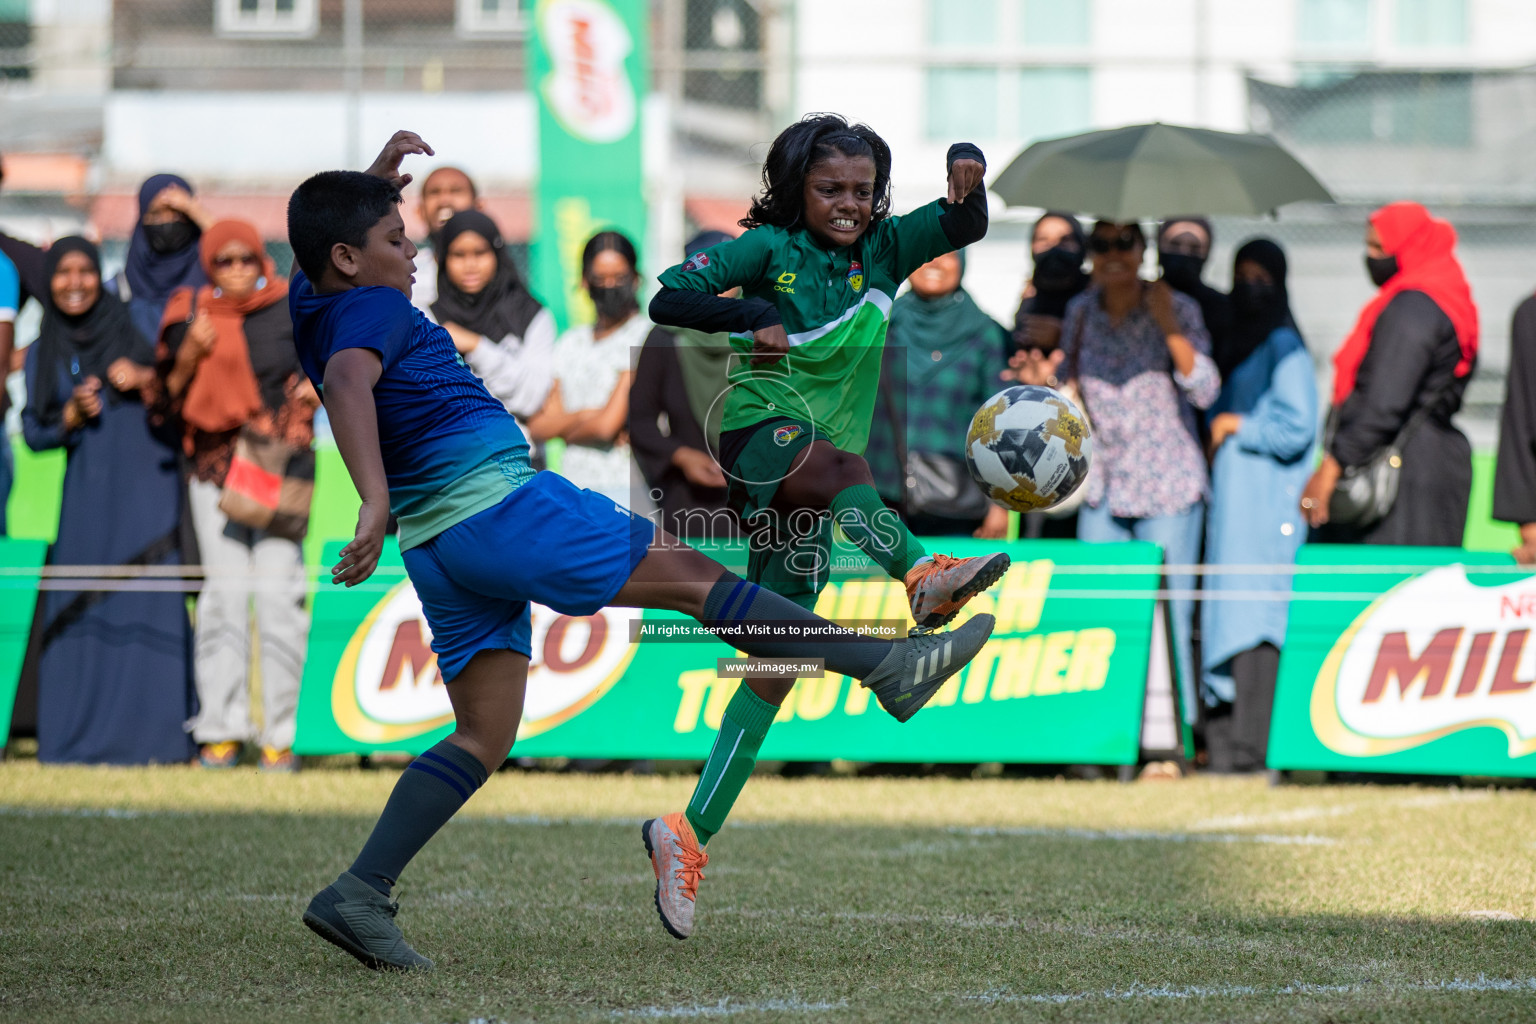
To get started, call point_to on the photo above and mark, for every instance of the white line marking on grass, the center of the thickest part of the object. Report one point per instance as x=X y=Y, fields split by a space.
x=85 y=812
x=1120 y=835
x=729 y=1008
x=1480 y=984
x=1158 y=936
x=1491 y=915
x=1309 y=813
x=1277 y=818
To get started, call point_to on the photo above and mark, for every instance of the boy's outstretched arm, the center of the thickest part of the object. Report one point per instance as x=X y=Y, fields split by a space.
x=349 y=379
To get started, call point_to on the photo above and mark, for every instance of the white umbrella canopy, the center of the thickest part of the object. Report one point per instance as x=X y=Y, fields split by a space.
x=1151 y=171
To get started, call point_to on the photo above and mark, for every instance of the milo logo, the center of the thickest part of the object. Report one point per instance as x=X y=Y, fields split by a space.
x=388 y=687
x=1433 y=656
x=587 y=88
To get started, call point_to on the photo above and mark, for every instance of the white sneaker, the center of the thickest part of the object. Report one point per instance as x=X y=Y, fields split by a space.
x=678 y=860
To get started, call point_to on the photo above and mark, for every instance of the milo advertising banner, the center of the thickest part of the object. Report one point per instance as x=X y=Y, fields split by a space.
x=1408 y=660
x=21 y=564
x=587 y=60
x=1061 y=681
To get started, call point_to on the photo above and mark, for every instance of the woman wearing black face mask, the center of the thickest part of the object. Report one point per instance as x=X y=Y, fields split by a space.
x=1056 y=248
x=1183 y=246
x=162 y=254
x=1262 y=427
x=588 y=406
x=1397 y=380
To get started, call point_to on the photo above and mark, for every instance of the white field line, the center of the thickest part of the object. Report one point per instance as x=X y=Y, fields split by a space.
x=729 y=1008
x=1006 y=923
x=1121 y=835
x=1479 y=984
x=542 y=821
x=1312 y=813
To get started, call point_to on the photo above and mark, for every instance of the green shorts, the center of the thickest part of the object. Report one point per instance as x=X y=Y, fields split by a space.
x=790 y=554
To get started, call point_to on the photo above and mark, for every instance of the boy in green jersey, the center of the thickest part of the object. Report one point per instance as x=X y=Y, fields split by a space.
x=818 y=270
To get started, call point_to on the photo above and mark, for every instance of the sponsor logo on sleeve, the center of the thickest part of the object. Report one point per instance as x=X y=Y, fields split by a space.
x=697 y=261
x=1434 y=655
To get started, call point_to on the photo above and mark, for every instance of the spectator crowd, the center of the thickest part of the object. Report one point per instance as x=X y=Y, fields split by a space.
x=174 y=391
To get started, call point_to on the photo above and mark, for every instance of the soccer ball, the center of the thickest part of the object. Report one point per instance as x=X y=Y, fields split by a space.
x=1029 y=448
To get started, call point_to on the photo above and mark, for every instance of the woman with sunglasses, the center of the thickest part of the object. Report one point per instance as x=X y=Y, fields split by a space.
x=1140 y=357
x=228 y=363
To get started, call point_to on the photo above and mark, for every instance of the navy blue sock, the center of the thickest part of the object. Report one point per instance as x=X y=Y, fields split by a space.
x=430 y=791
x=733 y=601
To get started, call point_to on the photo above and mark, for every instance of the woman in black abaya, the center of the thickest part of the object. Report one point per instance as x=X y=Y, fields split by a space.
x=114 y=674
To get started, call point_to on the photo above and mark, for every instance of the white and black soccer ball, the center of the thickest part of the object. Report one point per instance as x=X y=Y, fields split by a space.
x=1029 y=447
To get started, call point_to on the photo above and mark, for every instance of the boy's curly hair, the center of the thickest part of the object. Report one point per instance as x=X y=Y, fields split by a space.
x=803 y=145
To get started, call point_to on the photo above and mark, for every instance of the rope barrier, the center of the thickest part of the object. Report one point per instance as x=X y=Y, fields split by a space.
x=191 y=579
x=98 y=572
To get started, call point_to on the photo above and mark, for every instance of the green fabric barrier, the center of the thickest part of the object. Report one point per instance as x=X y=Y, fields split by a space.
x=20 y=561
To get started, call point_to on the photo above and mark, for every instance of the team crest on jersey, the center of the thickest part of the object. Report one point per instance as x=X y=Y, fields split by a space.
x=697 y=261
x=856 y=276
x=785 y=434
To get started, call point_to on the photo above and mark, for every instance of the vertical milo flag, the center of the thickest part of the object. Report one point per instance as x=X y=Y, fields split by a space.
x=589 y=68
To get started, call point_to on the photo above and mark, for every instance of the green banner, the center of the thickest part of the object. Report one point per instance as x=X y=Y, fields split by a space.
x=1061 y=681
x=588 y=63
x=20 y=565
x=1403 y=659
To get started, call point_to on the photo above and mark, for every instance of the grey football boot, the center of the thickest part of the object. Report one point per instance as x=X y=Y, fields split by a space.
x=354 y=915
x=917 y=666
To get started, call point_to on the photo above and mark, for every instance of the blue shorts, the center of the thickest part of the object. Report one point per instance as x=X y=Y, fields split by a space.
x=547 y=542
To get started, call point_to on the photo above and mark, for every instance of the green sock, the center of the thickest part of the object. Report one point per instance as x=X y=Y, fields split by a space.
x=742 y=728
x=876 y=530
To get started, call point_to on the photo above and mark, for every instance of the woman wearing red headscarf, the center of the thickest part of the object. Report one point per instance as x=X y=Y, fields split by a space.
x=1411 y=352
x=228 y=363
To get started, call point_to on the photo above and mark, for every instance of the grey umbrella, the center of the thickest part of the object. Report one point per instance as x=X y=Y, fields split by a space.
x=1157 y=170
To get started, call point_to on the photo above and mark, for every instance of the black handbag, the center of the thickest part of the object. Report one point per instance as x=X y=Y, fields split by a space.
x=935 y=485
x=941 y=486
x=1365 y=494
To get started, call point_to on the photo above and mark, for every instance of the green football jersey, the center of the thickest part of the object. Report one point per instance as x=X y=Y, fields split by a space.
x=835 y=304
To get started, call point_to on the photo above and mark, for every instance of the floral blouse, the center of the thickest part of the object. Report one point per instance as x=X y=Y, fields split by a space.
x=1147 y=460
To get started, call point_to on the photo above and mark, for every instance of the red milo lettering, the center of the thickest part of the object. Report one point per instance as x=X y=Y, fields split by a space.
x=554 y=642
x=1504 y=680
x=1477 y=657
x=1394 y=660
x=408 y=650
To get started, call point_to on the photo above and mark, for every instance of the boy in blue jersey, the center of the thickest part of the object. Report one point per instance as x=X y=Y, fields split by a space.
x=482 y=535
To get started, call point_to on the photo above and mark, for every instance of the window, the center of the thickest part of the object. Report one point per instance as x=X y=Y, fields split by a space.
x=267 y=17
x=1334 y=24
x=492 y=17
x=1021 y=104
x=1054 y=101
x=1423 y=109
x=959 y=26
x=989 y=24
x=962 y=103
x=15 y=37
x=1057 y=23
x=1431 y=23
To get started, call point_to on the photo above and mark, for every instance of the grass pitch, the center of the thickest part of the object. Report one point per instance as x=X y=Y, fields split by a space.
x=174 y=895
